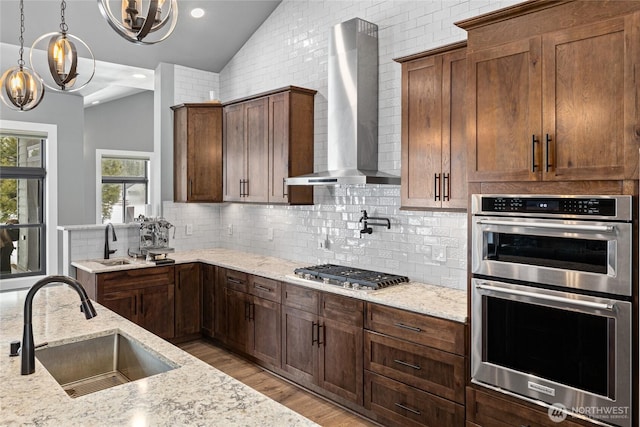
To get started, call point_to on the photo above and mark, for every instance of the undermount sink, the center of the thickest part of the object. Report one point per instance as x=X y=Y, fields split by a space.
x=112 y=262
x=95 y=364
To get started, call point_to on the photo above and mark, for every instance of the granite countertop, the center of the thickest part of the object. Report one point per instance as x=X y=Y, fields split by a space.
x=439 y=301
x=195 y=393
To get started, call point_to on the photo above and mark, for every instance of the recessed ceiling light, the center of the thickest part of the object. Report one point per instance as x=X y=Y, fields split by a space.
x=139 y=76
x=197 y=12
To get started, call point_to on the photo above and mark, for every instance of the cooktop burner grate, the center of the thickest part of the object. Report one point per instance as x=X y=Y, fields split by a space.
x=349 y=277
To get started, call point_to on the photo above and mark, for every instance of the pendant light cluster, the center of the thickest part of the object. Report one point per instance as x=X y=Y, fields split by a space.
x=22 y=88
x=134 y=24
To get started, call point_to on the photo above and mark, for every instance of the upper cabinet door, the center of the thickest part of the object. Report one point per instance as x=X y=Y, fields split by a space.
x=422 y=132
x=256 y=185
x=234 y=152
x=454 y=142
x=278 y=147
x=585 y=95
x=197 y=153
x=504 y=113
x=204 y=151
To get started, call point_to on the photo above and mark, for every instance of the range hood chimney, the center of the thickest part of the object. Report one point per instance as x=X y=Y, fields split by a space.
x=352 y=109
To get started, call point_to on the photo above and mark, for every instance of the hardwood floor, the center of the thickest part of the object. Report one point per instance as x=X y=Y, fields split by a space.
x=289 y=395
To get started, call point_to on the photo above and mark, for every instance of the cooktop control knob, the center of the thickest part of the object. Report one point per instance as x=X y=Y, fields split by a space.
x=346 y=285
x=356 y=286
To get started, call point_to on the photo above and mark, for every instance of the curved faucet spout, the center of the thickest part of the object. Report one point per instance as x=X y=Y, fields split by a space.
x=28 y=349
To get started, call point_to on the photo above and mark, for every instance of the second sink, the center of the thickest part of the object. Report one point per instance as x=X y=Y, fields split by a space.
x=96 y=364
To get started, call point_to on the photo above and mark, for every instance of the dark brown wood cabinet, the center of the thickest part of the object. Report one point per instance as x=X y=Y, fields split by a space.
x=488 y=410
x=268 y=138
x=433 y=120
x=209 y=299
x=253 y=316
x=554 y=101
x=322 y=341
x=414 y=368
x=145 y=296
x=246 y=147
x=197 y=152
x=188 y=301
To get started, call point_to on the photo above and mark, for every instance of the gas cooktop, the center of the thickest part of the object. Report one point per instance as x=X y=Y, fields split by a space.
x=349 y=277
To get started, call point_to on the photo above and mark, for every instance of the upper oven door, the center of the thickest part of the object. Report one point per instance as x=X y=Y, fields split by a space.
x=588 y=255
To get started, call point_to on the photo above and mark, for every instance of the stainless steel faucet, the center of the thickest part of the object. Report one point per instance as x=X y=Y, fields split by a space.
x=28 y=349
x=108 y=251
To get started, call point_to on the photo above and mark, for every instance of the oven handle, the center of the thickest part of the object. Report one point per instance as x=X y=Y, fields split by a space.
x=589 y=304
x=604 y=228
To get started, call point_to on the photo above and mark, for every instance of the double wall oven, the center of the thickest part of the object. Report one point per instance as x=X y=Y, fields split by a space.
x=551 y=301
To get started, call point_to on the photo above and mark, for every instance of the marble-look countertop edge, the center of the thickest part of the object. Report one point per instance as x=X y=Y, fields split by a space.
x=423 y=298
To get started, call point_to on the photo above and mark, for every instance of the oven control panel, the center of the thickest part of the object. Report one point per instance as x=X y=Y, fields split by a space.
x=558 y=206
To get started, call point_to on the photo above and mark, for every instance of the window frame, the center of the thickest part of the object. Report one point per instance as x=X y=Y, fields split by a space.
x=49 y=247
x=122 y=154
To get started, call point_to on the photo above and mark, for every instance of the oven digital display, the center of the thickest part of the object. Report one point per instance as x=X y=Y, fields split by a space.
x=558 y=205
x=536 y=205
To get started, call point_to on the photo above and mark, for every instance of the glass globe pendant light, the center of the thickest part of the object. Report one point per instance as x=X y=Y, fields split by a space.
x=134 y=24
x=21 y=88
x=63 y=59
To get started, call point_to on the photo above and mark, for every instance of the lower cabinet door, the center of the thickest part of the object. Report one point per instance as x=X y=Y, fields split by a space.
x=401 y=405
x=125 y=303
x=341 y=359
x=238 y=312
x=156 y=311
x=299 y=344
x=266 y=333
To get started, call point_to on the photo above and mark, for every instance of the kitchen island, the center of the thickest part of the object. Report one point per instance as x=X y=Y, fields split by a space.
x=192 y=394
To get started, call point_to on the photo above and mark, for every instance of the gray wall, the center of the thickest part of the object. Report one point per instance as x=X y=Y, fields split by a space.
x=123 y=124
x=66 y=111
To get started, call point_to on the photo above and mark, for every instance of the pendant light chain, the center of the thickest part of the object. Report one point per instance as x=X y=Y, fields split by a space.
x=21 y=61
x=63 y=25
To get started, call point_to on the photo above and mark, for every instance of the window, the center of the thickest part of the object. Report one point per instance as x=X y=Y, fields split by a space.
x=124 y=185
x=125 y=188
x=29 y=180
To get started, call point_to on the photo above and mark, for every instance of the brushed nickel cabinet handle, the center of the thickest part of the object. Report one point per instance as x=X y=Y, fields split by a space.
x=406 y=408
x=411 y=328
x=400 y=362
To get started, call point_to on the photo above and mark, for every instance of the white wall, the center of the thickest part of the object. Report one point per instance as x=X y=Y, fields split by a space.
x=290 y=48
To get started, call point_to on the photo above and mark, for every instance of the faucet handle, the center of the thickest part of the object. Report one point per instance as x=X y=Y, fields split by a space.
x=14 y=349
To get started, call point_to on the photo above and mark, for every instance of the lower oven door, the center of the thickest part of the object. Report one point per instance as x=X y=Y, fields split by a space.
x=553 y=348
x=590 y=255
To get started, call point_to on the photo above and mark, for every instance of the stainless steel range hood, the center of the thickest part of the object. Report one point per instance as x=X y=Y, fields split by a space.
x=352 y=109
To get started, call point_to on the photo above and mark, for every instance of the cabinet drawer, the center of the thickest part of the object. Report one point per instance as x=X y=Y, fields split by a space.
x=426 y=368
x=301 y=298
x=342 y=309
x=135 y=278
x=265 y=288
x=236 y=280
x=422 y=329
x=401 y=405
x=487 y=410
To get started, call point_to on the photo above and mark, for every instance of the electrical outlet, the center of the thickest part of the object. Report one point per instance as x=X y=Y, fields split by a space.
x=439 y=253
x=230 y=229
x=323 y=242
x=188 y=229
x=270 y=233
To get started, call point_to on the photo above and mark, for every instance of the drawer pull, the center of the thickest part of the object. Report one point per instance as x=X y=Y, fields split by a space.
x=400 y=362
x=411 y=328
x=406 y=408
x=263 y=288
x=236 y=281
